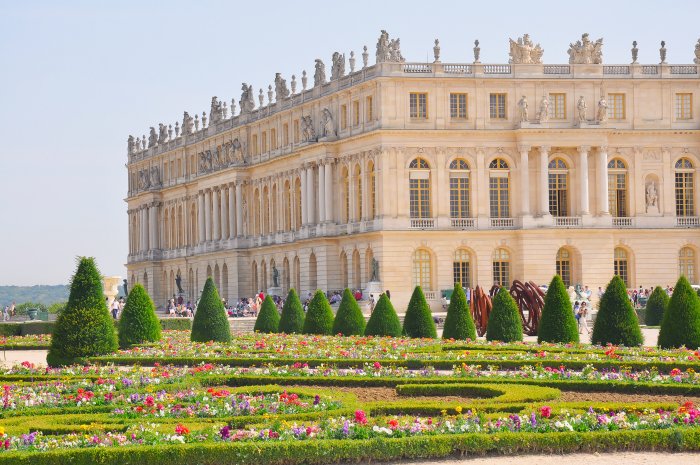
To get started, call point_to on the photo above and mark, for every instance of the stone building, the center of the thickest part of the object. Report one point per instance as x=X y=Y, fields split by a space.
x=466 y=172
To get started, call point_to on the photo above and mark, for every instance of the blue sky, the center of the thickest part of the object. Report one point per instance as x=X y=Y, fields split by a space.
x=76 y=78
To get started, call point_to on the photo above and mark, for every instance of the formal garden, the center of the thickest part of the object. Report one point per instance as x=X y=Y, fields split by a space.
x=320 y=387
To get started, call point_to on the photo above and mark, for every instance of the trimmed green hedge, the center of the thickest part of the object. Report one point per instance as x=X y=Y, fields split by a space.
x=138 y=323
x=504 y=323
x=210 y=320
x=418 y=321
x=292 y=319
x=27 y=328
x=176 y=324
x=558 y=323
x=616 y=322
x=319 y=316
x=384 y=321
x=494 y=392
x=656 y=306
x=268 y=319
x=681 y=321
x=349 y=320
x=458 y=322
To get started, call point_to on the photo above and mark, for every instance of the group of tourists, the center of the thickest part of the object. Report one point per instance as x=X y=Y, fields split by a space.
x=8 y=312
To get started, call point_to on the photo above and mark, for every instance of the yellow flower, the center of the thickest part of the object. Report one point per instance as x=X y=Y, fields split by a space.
x=444 y=412
x=458 y=409
x=2 y=431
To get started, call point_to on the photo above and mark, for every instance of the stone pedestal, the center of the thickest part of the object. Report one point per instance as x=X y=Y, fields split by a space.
x=111 y=288
x=373 y=289
x=653 y=210
x=276 y=291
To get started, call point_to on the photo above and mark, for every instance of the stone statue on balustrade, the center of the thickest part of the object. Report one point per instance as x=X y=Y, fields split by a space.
x=338 y=67
x=216 y=111
x=543 y=115
x=697 y=53
x=275 y=276
x=130 y=145
x=602 y=115
x=307 y=131
x=162 y=133
x=522 y=109
x=388 y=50
x=524 y=51
x=246 y=103
x=327 y=124
x=586 y=52
x=581 y=107
x=178 y=282
x=652 y=198
x=281 y=90
x=237 y=149
x=187 y=124
x=152 y=138
x=319 y=73
x=374 y=276
x=155 y=176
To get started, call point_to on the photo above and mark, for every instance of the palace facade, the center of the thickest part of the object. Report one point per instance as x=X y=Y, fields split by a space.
x=442 y=173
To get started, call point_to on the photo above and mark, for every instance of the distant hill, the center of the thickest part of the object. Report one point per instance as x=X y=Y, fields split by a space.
x=43 y=294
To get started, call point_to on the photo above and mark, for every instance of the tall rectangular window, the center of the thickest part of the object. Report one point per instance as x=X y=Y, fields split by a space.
x=418 y=105
x=264 y=141
x=685 y=194
x=557 y=106
x=296 y=131
x=499 y=197
x=356 y=113
x=369 y=110
x=684 y=106
x=616 y=106
x=343 y=117
x=458 y=106
x=254 y=143
x=273 y=139
x=497 y=106
x=285 y=134
x=419 y=198
x=459 y=197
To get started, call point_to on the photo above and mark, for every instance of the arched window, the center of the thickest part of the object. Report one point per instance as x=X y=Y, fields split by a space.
x=274 y=213
x=263 y=276
x=173 y=229
x=501 y=267
x=287 y=207
x=461 y=268
x=621 y=265
x=499 y=188
x=617 y=188
x=166 y=222
x=419 y=189
x=372 y=207
x=685 y=188
x=193 y=225
x=687 y=264
x=358 y=193
x=265 y=229
x=297 y=274
x=217 y=278
x=256 y=213
x=345 y=176
x=286 y=275
x=564 y=266
x=254 y=274
x=145 y=282
x=369 y=256
x=558 y=188
x=180 y=227
x=313 y=282
x=422 y=272
x=344 y=282
x=297 y=212
x=356 y=269
x=459 y=189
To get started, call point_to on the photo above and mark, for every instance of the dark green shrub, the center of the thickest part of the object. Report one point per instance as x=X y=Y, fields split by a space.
x=210 y=321
x=139 y=322
x=176 y=324
x=37 y=327
x=504 y=321
x=349 y=320
x=616 y=322
x=84 y=328
x=292 y=319
x=384 y=321
x=10 y=329
x=319 y=316
x=558 y=323
x=656 y=306
x=268 y=320
x=681 y=322
x=418 y=321
x=459 y=323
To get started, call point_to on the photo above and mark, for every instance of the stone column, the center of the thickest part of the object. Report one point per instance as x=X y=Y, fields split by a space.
x=216 y=213
x=144 y=228
x=239 y=209
x=153 y=226
x=304 y=206
x=310 y=199
x=603 y=206
x=583 y=178
x=231 y=213
x=543 y=206
x=328 y=168
x=321 y=192
x=207 y=215
x=524 y=180
x=224 y=213
x=200 y=217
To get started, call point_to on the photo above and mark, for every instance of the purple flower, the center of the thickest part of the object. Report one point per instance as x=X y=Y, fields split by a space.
x=346 y=428
x=533 y=420
x=317 y=399
x=225 y=432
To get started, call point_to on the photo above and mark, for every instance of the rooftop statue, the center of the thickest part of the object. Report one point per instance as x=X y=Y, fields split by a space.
x=162 y=133
x=216 y=111
x=247 y=103
x=281 y=90
x=319 y=73
x=586 y=52
x=543 y=115
x=524 y=51
x=152 y=138
x=130 y=144
x=388 y=50
x=338 y=67
x=187 y=124
x=327 y=123
x=697 y=53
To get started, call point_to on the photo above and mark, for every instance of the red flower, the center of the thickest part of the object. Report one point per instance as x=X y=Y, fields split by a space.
x=360 y=417
x=181 y=429
x=393 y=423
x=377 y=365
x=546 y=411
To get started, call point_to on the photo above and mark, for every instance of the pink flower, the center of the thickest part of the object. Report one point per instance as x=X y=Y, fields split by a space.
x=546 y=411
x=377 y=365
x=360 y=417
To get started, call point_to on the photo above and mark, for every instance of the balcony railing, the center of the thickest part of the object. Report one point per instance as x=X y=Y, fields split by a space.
x=463 y=223
x=623 y=222
x=684 y=69
x=616 y=69
x=430 y=295
x=502 y=223
x=422 y=223
x=687 y=221
x=557 y=69
x=497 y=69
x=567 y=221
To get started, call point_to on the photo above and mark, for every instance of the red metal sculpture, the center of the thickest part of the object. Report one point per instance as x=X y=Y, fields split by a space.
x=530 y=300
x=481 y=309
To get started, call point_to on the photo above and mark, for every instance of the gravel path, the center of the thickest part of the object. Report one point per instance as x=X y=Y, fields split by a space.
x=626 y=458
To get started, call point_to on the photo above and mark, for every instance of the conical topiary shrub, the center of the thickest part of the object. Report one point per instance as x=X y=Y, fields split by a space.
x=504 y=321
x=558 y=323
x=268 y=320
x=292 y=319
x=384 y=320
x=210 y=321
x=616 y=322
x=349 y=320
x=85 y=327
x=319 y=316
x=418 y=321
x=656 y=306
x=459 y=323
x=681 y=322
x=139 y=322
